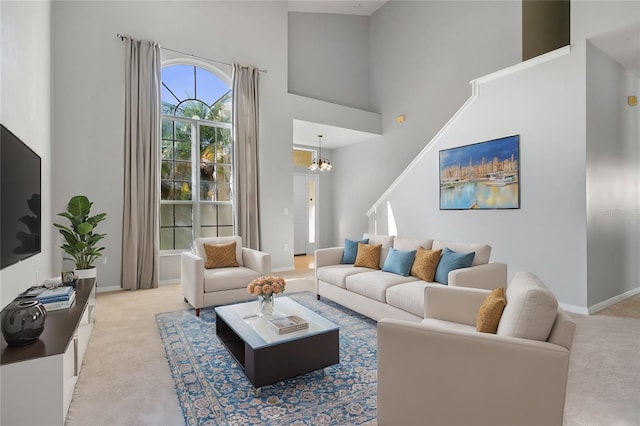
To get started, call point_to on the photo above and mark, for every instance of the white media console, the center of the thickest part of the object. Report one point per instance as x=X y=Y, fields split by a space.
x=37 y=380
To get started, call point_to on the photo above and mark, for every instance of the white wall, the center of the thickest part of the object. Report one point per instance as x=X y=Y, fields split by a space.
x=547 y=234
x=613 y=176
x=546 y=105
x=25 y=109
x=329 y=58
x=423 y=55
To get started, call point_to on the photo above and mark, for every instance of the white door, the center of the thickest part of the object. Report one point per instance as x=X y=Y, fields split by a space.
x=305 y=213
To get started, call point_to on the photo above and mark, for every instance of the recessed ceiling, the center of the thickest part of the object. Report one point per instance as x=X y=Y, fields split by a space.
x=306 y=133
x=364 y=7
x=622 y=45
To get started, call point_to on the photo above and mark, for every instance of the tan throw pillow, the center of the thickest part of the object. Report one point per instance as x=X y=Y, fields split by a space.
x=220 y=255
x=368 y=255
x=425 y=263
x=490 y=311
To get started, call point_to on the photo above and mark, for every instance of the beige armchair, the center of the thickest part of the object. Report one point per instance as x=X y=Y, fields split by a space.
x=210 y=287
x=443 y=372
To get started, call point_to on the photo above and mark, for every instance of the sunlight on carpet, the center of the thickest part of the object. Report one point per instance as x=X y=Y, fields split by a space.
x=213 y=390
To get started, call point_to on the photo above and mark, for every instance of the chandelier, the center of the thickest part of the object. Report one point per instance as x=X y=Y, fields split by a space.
x=319 y=163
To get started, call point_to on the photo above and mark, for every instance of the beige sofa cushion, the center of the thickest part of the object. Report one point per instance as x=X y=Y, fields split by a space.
x=531 y=308
x=408 y=297
x=483 y=251
x=228 y=278
x=337 y=274
x=408 y=244
x=374 y=284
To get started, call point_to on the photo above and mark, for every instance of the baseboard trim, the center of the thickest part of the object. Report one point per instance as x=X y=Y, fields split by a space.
x=574 y=309
x=284 y=269
x=107 y=289
x=605 y=304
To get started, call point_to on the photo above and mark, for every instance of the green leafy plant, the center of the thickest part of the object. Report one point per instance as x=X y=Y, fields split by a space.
x=80 y=240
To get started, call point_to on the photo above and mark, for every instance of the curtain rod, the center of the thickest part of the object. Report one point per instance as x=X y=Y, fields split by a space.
x=122 y=38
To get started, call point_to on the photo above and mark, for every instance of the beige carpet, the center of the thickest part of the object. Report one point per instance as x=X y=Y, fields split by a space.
x=125 y=379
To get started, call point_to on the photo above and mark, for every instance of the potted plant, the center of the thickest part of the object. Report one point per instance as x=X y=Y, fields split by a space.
x=80 y=240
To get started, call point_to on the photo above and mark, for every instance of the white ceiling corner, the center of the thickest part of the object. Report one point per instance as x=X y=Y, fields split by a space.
x=622 y=45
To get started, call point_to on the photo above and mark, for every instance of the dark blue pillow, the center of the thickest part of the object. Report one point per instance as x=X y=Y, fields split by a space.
x=399 y=261
x=451 y=260
x=351 y=250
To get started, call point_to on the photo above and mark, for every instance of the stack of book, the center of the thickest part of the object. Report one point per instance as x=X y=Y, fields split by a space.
x=57 y=298
x=288 y=324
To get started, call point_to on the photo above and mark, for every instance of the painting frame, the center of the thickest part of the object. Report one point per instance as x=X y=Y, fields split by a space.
x=481 y=176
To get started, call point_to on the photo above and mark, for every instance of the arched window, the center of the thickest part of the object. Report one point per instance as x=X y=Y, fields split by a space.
x=197 y=157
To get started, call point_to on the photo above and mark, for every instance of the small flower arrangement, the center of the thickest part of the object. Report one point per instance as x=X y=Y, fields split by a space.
x=266 y=286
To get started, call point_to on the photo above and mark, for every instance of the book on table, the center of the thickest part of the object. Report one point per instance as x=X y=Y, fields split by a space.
x=58 y=294
x=63 y=304
x=288 y=324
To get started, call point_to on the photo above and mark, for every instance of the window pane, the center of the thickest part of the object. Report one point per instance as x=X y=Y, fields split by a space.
x=208 y=231
x=167 y=149
x=208 y=215
x=207 y=191
x=182 y=171
x=183 y=214
x=167 y=129
x=167 y=170
x=225 y=231
x=184 y=238
x=166 y=238
x=182 y=151
x=223 y=173
x=302 y=158
x=182 y=131
x=224 y=192
x=225 y=215
x=166 y=215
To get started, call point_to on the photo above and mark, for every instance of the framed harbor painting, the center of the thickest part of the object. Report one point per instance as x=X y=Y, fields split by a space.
x=483 y=175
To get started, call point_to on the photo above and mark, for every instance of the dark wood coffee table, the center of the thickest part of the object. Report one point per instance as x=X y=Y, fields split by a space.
x=268 y=357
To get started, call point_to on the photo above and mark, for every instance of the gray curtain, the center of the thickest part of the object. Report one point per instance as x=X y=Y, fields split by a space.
x=140 y=234
x=245 y=140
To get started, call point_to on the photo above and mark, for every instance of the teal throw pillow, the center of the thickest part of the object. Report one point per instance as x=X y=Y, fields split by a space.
x=351 y=250
x=399 y=261
x=451 y=260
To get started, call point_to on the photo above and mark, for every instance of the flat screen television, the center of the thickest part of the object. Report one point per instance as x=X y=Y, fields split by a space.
x=20 y=205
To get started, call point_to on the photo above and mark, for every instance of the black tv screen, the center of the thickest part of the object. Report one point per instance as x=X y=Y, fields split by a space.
x=20 y=206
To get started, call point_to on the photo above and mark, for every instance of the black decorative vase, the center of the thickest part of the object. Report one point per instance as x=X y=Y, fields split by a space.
x=22 y=322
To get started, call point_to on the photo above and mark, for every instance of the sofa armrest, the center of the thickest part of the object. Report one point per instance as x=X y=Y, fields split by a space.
x=432 y=375
x=455 y=304
x=328 y=256
x=487 y=276
x=257 y=261
x=192 y=278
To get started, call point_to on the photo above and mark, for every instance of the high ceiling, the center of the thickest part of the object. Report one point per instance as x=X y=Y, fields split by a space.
x=622 y=45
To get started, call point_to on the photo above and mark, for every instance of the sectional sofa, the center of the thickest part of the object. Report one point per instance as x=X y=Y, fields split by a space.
x=378 y=294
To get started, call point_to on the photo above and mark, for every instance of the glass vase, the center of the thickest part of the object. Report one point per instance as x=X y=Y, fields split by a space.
x=265 y=304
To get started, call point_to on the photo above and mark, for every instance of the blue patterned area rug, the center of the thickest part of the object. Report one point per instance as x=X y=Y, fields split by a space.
x=213 y=390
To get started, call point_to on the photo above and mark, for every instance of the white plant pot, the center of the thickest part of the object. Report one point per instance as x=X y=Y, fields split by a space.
x=86 y=273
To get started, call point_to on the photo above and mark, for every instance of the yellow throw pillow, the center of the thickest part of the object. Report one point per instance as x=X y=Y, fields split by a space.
x=368 y=255
x=425 y=263
x=490 y=311
x=220 y=255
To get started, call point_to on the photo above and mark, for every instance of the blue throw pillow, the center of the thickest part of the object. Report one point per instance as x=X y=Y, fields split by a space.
x=451 y=260
x=399 y=261
x=351 y=250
